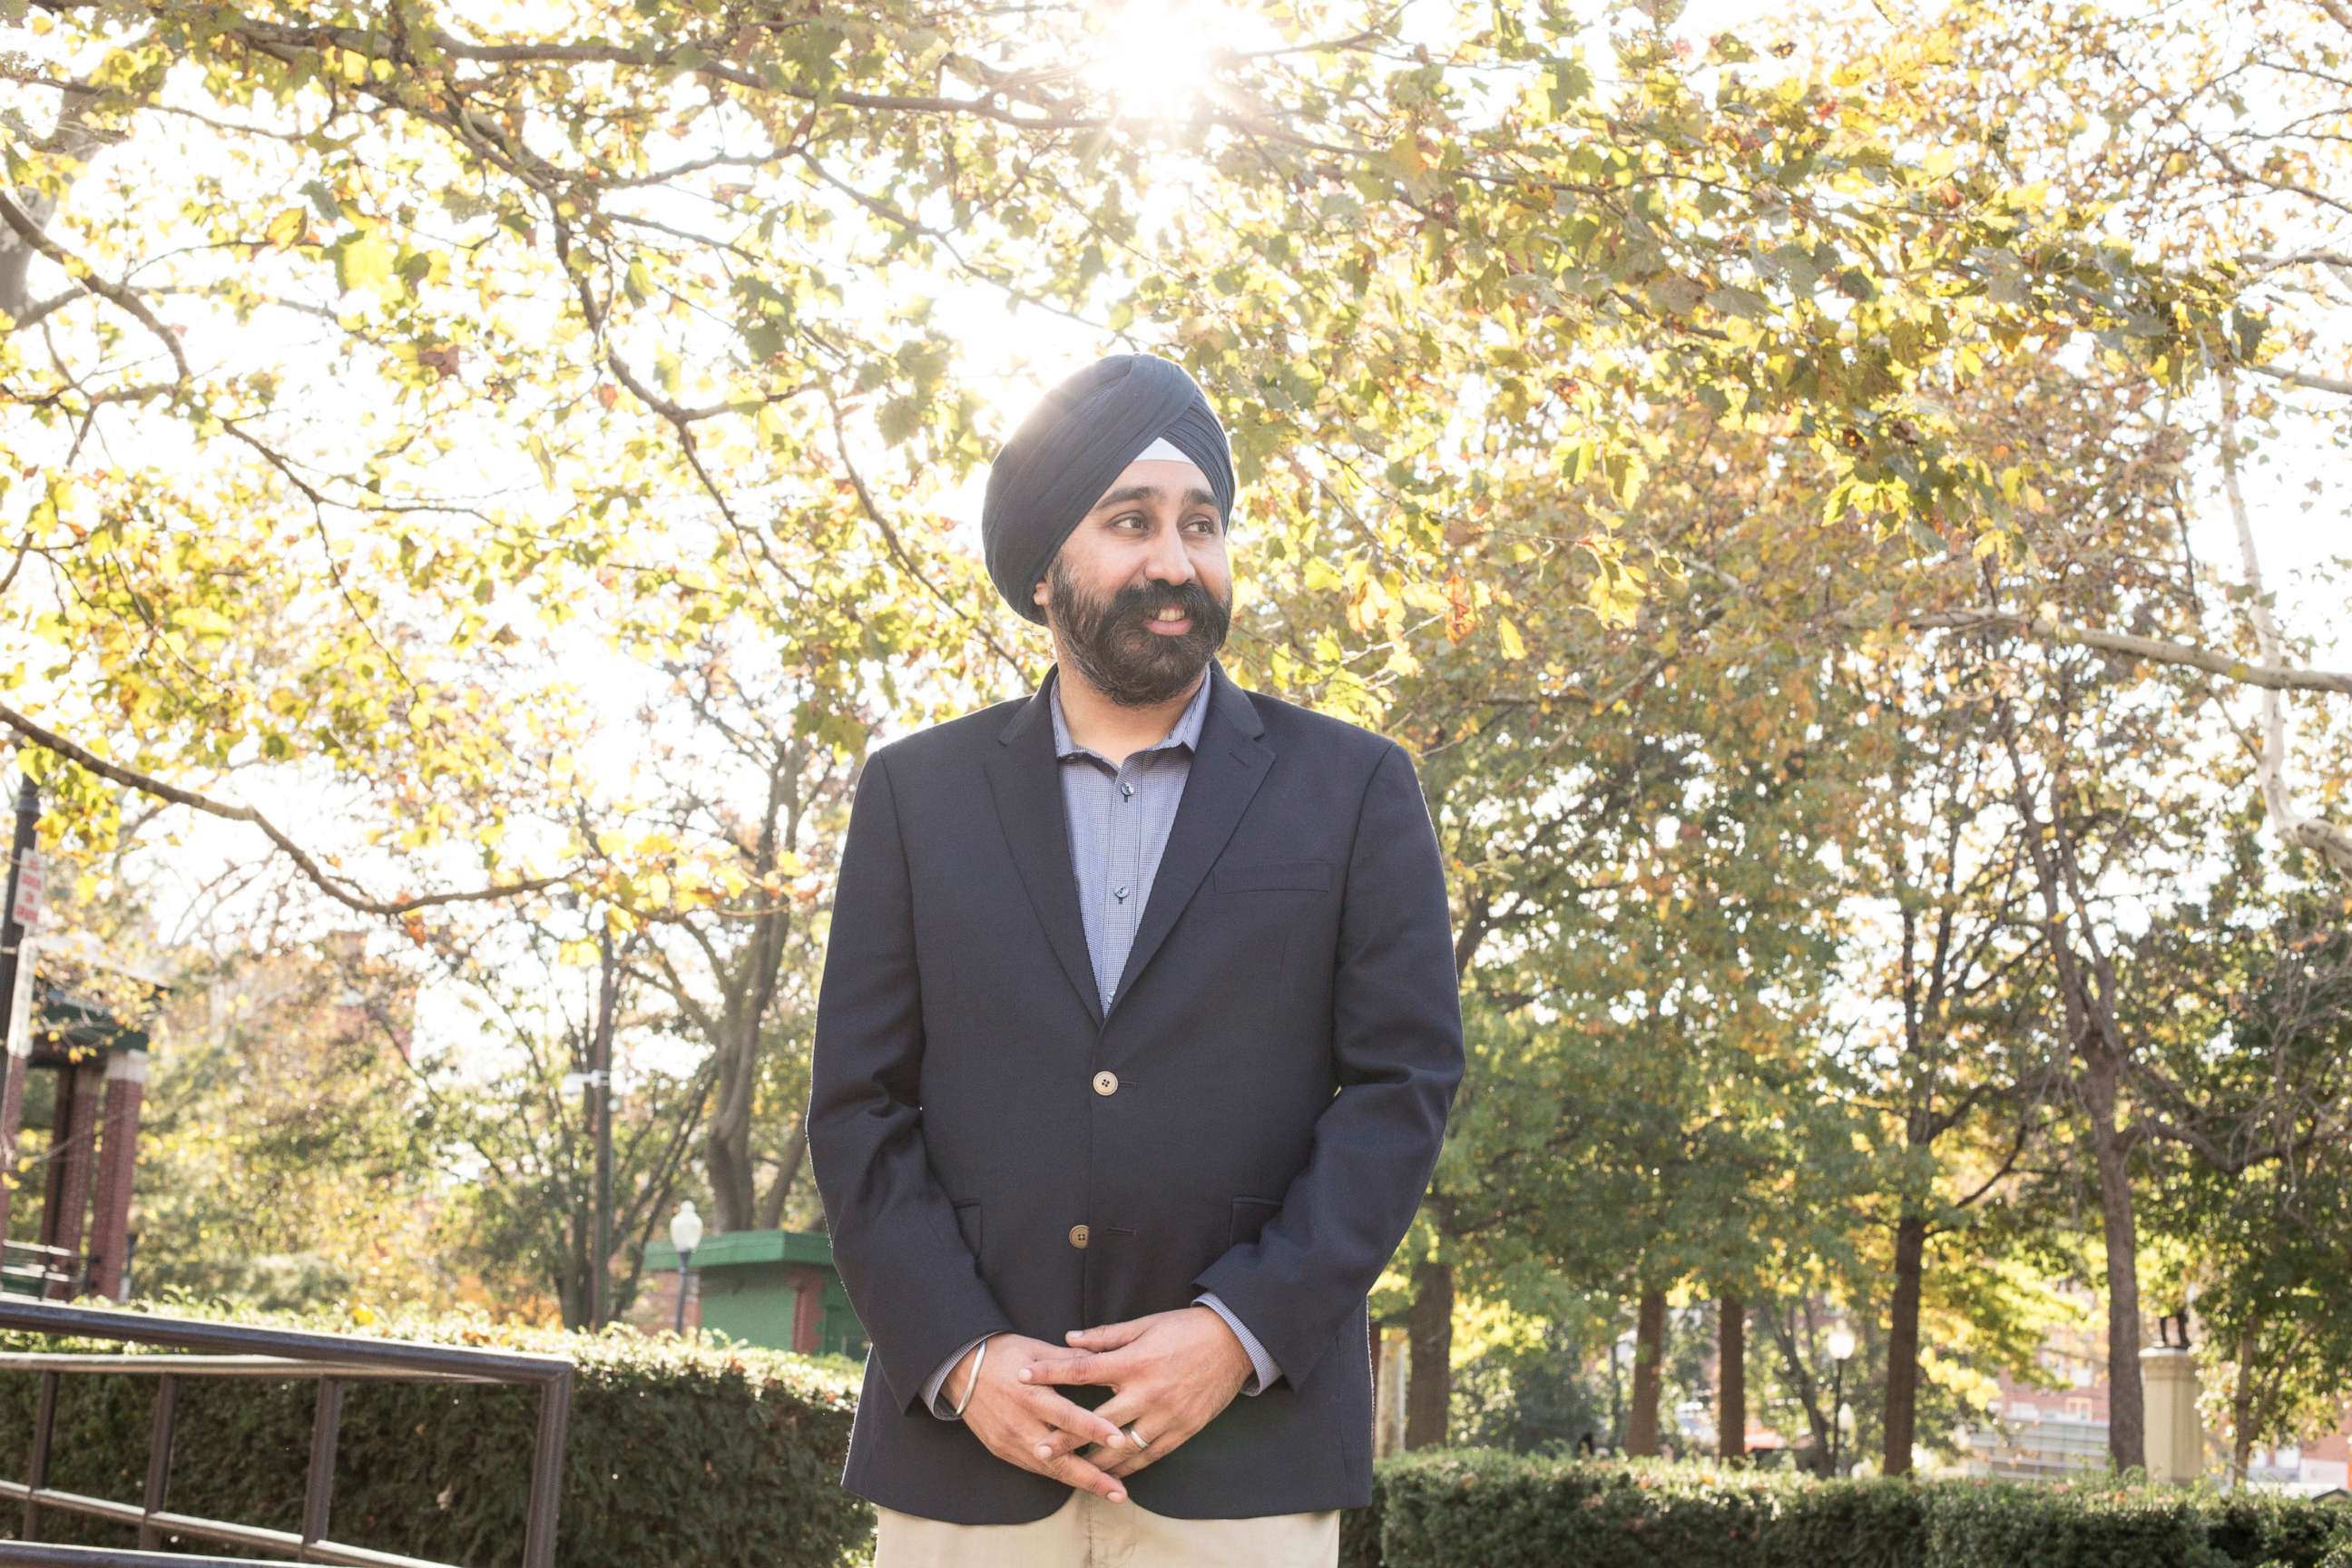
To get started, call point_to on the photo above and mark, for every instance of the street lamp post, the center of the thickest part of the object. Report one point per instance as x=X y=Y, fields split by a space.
x=686 y=1235
x=1840 y=1351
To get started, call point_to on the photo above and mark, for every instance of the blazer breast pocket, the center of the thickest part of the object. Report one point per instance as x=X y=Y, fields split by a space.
x=1274 y=876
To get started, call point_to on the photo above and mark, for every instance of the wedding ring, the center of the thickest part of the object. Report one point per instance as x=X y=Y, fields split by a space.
x=1135 y=1437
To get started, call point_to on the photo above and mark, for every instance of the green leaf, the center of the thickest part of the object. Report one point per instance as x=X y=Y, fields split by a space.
x=1734 y=301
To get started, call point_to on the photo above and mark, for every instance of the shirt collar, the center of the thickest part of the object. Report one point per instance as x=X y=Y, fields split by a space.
x=1185 y=733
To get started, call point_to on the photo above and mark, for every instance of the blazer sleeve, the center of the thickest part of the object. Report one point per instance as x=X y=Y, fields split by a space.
x=1397 y=1037
x=914 y=1283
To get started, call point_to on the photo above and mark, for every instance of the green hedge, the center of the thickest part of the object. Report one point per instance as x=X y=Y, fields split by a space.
x=703 y=1455
x=1452 y=1510
x=678 y=1453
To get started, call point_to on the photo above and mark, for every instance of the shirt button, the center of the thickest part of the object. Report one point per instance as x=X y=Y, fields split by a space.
x=1127 y=789
x=1078 y=1236
x=1119 y=893
x=1105 y=1083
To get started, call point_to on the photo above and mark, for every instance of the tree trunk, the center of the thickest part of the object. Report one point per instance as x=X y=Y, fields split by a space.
x=1616 y=1403
x=599 y=1120
x=788 y=1169
x=1902 y=1344
x=2088 y=989
x=726 y=1140
x=573 y=1288
x=2242 y=1411
x=1731 y=1378
x=1649 y=1375
x=71 y=143
x=748 y=982
x=1799 y=1376
x=1429 y=1377
x=2126 y=1410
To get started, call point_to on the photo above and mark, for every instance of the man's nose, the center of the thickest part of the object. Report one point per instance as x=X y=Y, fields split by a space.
x=1169 y=562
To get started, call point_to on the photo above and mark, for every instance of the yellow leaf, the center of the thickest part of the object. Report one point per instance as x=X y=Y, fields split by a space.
x=1508 y=631
x=366 y=263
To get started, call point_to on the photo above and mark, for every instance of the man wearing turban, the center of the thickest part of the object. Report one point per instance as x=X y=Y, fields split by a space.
x=1135 y=1043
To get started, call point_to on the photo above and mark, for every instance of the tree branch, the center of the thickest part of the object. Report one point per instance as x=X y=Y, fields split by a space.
x=86 y=278
x=332 y=886
x=2330 y=841
x=2336 y=384
x=2271 y=676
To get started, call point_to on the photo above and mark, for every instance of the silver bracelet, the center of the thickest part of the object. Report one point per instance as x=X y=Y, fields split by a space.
x=974 y=1387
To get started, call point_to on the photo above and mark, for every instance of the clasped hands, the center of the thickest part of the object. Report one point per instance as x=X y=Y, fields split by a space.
x=1169 y=1374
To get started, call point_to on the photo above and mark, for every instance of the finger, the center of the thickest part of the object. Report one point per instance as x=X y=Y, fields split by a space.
x=1075 y=1369
x=1106 y=1428
x=1078 y=1473
x=1160 y=1445
x=1106 y=1336
x=1080 y=1424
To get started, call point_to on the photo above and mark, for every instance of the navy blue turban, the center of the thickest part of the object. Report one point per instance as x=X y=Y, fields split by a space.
x=1073 y=445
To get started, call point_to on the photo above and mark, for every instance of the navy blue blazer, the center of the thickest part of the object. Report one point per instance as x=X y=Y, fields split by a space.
x=1285 y=1041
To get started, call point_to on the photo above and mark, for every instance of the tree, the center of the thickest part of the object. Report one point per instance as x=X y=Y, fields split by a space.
x=668 y=316
x=519 y=1154
x=285 y=1158
x=2250 y=1111
x=741 y=974
x=2220 y=146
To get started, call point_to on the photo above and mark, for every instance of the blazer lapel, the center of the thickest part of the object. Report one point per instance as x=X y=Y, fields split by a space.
x=1025 y=778
x=1226 y=770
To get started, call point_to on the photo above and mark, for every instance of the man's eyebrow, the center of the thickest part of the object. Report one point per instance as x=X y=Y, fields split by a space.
x=1193 y=497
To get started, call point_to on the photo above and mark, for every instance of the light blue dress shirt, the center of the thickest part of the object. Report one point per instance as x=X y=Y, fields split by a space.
x=1118 y=815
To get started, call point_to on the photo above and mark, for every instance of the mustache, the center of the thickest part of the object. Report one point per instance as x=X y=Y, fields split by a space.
x=1145 y=601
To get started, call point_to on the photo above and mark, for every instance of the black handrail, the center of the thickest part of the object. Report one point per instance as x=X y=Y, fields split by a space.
x=241 y=1350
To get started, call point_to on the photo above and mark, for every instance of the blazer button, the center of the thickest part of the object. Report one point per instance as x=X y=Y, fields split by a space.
x=1078 y=1236
x=1105 y=1083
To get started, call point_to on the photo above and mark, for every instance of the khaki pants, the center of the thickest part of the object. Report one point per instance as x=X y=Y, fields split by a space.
x=1088 y=1531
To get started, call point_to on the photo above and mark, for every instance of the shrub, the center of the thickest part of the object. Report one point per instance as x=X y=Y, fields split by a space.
x=1491 y=1508
x=2066 y=1525
x=1456 y=1508
x=678 y=1453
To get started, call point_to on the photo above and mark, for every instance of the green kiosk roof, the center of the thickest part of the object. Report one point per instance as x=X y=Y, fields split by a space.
x=739 y=1248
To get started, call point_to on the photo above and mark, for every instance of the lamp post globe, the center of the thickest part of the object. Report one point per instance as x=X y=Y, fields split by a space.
x=685 y=1234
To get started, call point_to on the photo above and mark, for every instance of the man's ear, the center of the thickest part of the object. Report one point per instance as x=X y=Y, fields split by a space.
x=1038 y=595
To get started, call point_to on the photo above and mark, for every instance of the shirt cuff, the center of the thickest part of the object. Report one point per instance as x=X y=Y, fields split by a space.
x=1264 y=1372
x=935 y=1391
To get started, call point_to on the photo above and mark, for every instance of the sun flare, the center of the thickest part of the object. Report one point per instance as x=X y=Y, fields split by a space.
x=1155 y=60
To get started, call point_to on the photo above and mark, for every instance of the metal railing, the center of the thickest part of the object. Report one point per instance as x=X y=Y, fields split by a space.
x=236 y=1349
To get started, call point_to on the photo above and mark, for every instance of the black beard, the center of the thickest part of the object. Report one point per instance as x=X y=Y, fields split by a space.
x=1122 y=658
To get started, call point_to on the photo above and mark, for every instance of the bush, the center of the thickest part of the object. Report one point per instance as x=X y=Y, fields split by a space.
x=2280 y=1532
x=678 y=1453
x=1455 y=1509
x=2066 y=1525
x=1500 y=1511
